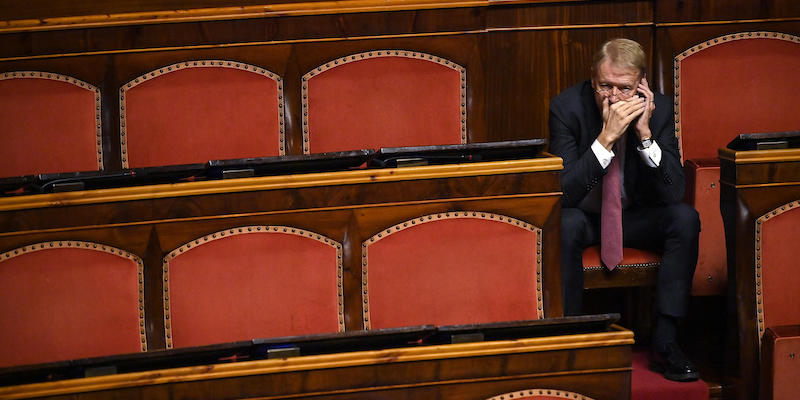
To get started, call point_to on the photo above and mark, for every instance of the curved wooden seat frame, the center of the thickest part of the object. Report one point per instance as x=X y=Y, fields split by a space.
x=196 y=111
x=68 y=300
x=384 y=98
x=50 y=123
x=540 y=394
x=252 y=282
x=452 y=268
x=720 y=87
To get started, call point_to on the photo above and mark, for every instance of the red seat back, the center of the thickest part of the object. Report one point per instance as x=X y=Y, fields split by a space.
x=452 y=268
x=724 y=87
x=70 y=300
x=49 y=123
x=383 y=98
x=777 y=272
x=252 y=282
x=196 y=111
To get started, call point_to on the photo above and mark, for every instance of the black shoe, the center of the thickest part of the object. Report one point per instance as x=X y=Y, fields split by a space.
x=674 y=364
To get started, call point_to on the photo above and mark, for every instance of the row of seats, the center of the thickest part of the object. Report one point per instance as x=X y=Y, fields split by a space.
x=67 y=300
x=195 y=111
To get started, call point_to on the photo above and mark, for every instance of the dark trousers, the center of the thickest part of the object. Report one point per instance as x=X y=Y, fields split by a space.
x=672 y=230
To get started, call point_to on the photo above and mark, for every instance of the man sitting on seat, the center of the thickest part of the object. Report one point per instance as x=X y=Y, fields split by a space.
x=614 y=126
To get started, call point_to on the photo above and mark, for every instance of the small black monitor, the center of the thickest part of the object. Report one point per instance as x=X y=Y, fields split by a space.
x=765 y=141
x=290 y=164
x=457 y=153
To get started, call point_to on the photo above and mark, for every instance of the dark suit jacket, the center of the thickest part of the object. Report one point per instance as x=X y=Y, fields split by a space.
x=575 y=122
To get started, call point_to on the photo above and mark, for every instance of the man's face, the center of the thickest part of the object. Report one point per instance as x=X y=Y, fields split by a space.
x=614 y=82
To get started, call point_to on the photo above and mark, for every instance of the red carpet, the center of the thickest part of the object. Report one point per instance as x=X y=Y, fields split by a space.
x=648 y=385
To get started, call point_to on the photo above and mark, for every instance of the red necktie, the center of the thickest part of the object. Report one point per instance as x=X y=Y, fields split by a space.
x=611 y=215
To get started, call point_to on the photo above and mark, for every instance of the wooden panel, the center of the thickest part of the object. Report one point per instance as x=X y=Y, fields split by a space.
x=672 y=40
x=595 y=364
x=751 y=187
x=710 y=10
x=348 y=207
x=529 y=68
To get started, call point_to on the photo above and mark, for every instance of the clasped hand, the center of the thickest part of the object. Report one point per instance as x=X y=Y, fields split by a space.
x=618 y=116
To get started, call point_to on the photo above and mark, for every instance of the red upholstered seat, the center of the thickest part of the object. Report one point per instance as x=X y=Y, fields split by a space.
x=720 y=87
x=638 y=267
x=196 y=111
x=540 y=394
x=252 y=282
x=49 y=123
x=777 y=271
x=777 y=277
x=383 y=98
x=780 y=365
x=69 y=300
x=452 y=268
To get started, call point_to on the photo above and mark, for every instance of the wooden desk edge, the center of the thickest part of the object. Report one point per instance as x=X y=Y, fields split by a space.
x=617 y=337
x=275 y=9
x=147 y=192
x=759 y=156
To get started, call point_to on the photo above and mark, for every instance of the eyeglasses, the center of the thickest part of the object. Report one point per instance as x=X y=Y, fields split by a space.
x=605 y=89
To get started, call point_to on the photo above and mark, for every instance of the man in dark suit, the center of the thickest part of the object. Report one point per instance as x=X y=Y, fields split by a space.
x=616 y=115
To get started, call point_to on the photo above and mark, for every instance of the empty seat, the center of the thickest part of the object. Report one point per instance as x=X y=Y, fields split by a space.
x=196 y=111
x=452 y=268
x=252 y=282
x=720 y=91
x=50 y=123
x=383 y=98
x=68 y=300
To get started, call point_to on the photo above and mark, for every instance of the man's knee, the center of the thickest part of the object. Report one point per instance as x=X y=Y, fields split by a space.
x=683 y=221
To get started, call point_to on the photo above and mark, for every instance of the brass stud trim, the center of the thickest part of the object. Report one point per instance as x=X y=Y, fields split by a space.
x=563 y=394
x=709 y=43
x=199 y=64
x=62 y=244
x=383 y=53
x=384 y=233
x=758 y=262
x=98 y=125
x=243 y=230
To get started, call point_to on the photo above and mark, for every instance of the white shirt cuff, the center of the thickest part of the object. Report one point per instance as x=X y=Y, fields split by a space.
x=651 y=155
x=603 y=156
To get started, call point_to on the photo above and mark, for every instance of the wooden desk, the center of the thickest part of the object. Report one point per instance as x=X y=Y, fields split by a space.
x=597 y=365
x=348 y=207
x=754 y=183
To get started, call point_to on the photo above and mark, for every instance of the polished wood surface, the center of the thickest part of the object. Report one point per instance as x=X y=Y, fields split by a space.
x=753 y=184
x=518 y=54
x=595 y=364
x=348 y=207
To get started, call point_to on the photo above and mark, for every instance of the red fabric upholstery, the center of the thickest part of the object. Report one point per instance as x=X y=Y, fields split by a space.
x=781 y=363
x=64 y=300
x=630 y=258
x=198 y=111
x=252 y=282
x=452 y=268
x=649 y=385
x=777 y=270
x=702 y=192
x=721 y=86
x=540 y=394
x=48 y=123
x=383 y=99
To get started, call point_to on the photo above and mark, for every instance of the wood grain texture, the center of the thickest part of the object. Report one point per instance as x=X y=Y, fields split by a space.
x=597 y=364
x=752 y=185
